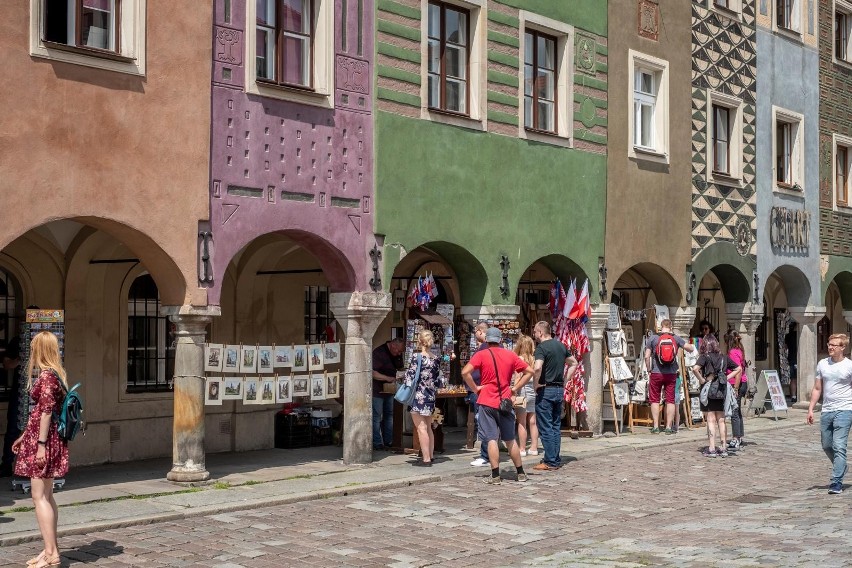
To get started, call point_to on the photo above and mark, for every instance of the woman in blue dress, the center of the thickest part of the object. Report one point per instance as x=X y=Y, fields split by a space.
x=431 y=379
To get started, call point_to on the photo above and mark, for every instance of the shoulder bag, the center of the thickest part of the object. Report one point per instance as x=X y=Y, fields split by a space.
x=505 y=403
x=405 y=393
x=719 y=382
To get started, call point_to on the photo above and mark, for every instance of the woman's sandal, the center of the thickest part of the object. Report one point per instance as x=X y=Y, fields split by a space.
x=45 y=562
x=35 y=559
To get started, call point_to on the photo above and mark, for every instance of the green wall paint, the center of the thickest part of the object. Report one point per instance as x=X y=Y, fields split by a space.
x=451 y=188
x=589 y=15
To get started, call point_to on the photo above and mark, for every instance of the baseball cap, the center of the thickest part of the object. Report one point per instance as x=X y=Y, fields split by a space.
x=493 y=335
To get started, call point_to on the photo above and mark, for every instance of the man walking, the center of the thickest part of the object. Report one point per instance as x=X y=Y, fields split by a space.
x=661 y=353
x=550 y=375
x=496 y=367
x=386 y=360
x=479 y=334
x=834 y=382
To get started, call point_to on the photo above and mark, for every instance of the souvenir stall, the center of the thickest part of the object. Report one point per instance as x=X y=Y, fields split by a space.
x=423 y=314
x=301 y=378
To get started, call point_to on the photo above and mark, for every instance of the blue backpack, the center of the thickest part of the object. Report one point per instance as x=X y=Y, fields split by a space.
x=69 y=420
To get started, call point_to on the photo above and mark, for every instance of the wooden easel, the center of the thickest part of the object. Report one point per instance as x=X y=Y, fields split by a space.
x=686 y=404
x=615 y=409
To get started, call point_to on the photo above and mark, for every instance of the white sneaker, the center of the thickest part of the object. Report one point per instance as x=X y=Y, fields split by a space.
x=523 y=453
x=479 y=462
x=532 y=452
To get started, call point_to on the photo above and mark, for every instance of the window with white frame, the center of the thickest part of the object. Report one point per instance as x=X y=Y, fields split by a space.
x=291 y=46
x=787 y=14
x=150 y=349
x=648 y=123
x=842 y=30
x=108 y=34
x=787 y=147
x=724 y=131
x=842 y=170
x=546 y=80
x=449 y=57
x=730 y=8
x=453 y=51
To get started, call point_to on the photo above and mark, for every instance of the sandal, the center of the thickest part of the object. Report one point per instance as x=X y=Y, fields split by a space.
x=35 y=559
x=45 y=562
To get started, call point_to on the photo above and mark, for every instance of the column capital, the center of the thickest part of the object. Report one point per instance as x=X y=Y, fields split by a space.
x=807 y=315
x=744 y=317
x=360 y=313
x=682 y=319
x=470 y=313
x=598 y=321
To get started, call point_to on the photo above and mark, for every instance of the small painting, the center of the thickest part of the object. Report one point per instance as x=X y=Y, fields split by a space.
x=267 y=390
x=628 y=333
x=250 y=390
x=316 y=357
x=213 y=358
x=232 y=388
x=213 y=392
x=284 y=393
x=332 y=353
x=318 y=387
x=283 y=357
x=248 y=359
x=631 y=350
x=264 y=359
x=232 y=358
x=332 y=388
x=301 y=385
x=300 y=358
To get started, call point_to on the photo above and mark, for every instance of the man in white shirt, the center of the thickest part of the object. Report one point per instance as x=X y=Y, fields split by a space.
x=834 y=382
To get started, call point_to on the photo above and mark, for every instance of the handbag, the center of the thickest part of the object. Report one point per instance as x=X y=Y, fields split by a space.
x=506 y=406
x=718 y=384
x=405 y=393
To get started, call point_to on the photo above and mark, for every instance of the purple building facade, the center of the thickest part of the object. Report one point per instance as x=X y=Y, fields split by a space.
x=289 y=157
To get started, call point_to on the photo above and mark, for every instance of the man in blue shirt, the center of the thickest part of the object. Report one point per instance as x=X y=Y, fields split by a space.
x=387 y=359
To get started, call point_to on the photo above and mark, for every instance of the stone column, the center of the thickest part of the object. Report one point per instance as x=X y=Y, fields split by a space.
x=359 y=314
x=682 y=320
x=807 y=317
x=744 y=318
x=594 y=365
x=188 y=458
x=847 y=315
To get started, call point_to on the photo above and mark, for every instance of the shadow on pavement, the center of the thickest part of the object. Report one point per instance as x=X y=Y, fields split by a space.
x=91 y=552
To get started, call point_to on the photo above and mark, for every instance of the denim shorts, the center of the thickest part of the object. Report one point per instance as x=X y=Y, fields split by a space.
x=494 y=425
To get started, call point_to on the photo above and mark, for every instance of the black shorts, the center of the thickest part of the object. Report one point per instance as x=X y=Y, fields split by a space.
x=494 y=425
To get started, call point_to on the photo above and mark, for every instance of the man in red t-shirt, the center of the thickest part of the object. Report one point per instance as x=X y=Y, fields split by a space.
x=496 y=367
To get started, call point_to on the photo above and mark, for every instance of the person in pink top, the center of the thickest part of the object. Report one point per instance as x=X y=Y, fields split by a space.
x=736 y=358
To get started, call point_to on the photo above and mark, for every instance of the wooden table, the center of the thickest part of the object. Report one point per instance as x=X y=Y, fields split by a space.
x=399 y=435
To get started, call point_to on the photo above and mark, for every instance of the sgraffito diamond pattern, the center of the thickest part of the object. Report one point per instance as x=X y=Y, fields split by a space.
x=724 y=54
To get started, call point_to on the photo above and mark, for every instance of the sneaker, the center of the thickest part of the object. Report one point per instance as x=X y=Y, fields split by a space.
x=733 y=444
x=492 y=480
x=523 y=453
x=835 y=489
x=532 y=452
x=655 y=430
x=708 y=454
x=522 y=477
x=669 y=431
x=479 y=462
x=723 y=453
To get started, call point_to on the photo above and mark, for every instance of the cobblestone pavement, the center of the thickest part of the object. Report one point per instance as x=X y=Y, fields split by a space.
x=667 y=506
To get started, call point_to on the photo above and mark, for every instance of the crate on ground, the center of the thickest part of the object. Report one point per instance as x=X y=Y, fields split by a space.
x=292 y=430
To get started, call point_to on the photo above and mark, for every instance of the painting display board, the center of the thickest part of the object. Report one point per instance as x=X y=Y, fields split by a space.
x=769 y=390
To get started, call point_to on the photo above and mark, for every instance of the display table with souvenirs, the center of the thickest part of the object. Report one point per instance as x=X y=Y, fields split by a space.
x=403 y=439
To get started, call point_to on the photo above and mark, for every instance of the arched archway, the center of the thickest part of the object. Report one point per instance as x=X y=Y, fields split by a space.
x=534 y=283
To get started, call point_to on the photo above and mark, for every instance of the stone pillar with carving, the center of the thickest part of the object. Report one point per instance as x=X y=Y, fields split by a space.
x=594 y=365
x=682 y=320
x=744 y=318
x=807 y=317
x=359 y=314
x=188 y=457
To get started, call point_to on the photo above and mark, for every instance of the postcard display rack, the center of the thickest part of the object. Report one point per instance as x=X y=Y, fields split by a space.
x=278 y=374
x=36 y=321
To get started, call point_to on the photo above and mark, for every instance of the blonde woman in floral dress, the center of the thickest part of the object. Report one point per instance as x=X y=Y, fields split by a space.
x=40 y=453
x=431 y=379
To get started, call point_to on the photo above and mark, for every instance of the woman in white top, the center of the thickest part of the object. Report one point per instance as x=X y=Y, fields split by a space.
x=525 y=415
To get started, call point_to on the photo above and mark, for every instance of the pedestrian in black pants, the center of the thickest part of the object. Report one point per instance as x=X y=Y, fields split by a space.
x=736 y=357
x=11 y=366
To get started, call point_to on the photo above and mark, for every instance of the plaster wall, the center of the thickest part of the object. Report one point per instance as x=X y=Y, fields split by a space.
x=285 y=166
x=787 y=79
x=89 y=143
x=653 y=198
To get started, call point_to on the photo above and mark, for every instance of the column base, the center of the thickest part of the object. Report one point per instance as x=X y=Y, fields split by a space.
x=187 y=475
x=804 y=405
